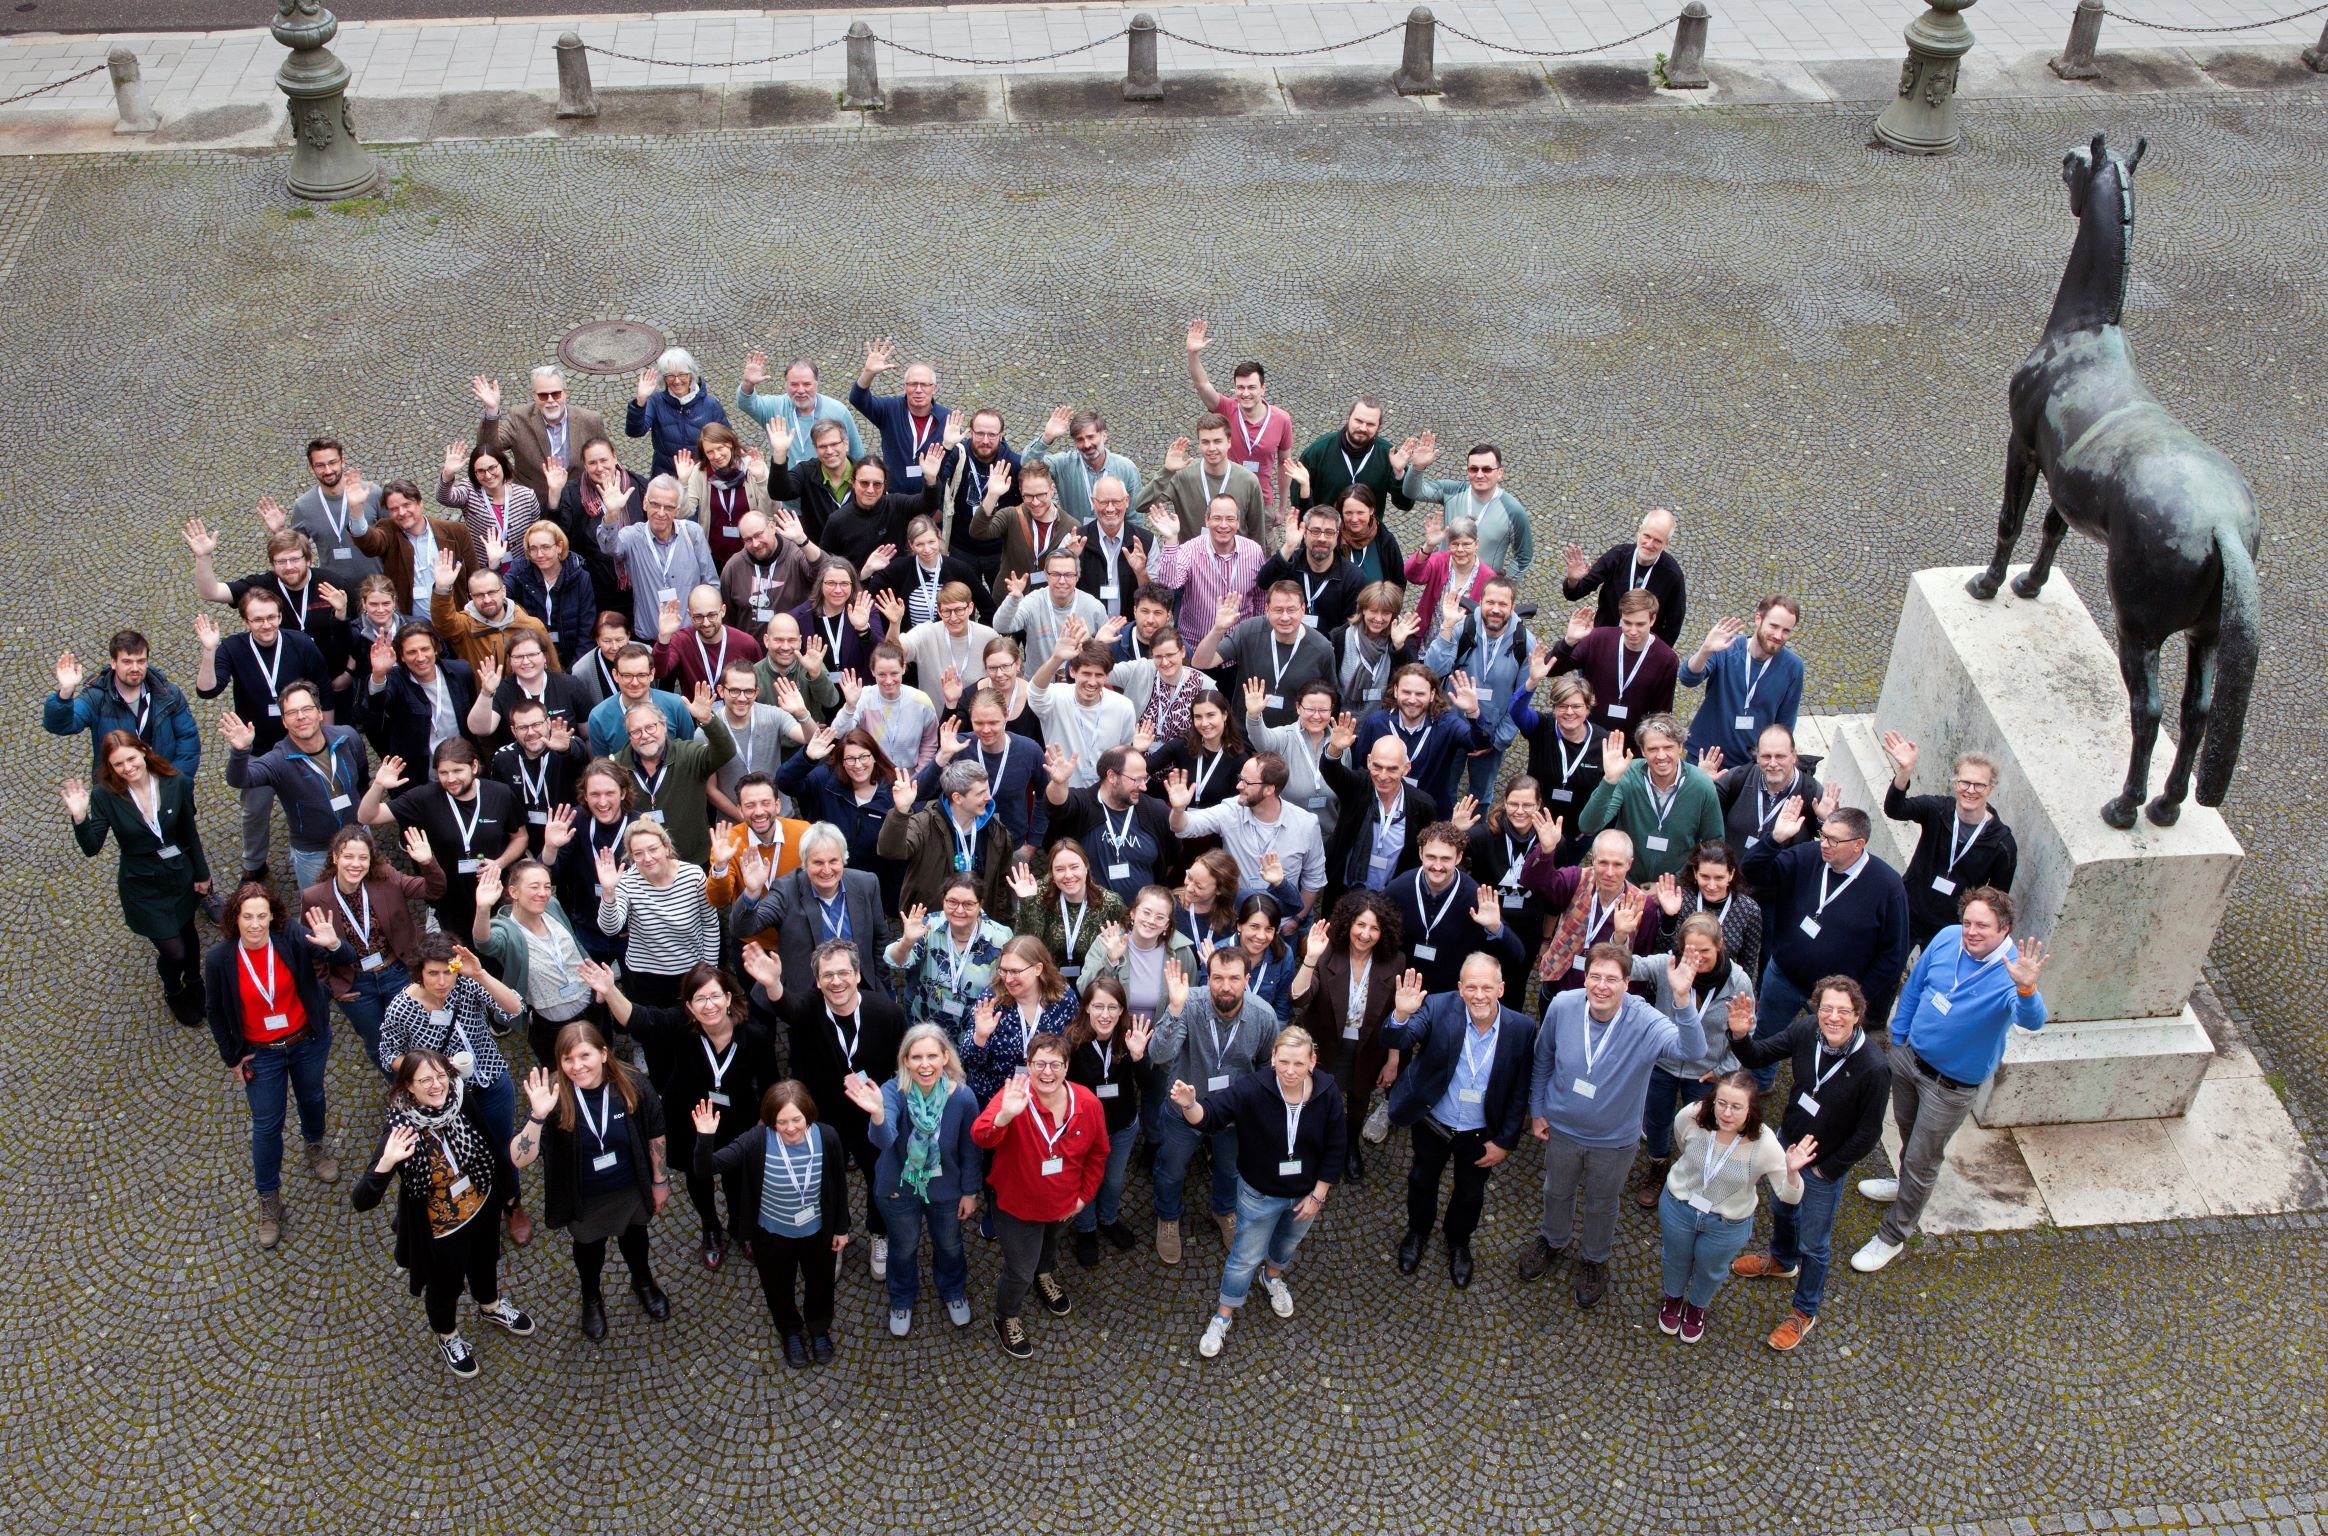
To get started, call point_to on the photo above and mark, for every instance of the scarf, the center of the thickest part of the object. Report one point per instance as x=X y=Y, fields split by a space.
x=442 y=1130
x=922 y=1163
x=1568 y=936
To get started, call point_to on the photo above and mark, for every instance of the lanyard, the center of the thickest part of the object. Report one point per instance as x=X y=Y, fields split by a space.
x=364 y=928
x=977 y=480
x=1754 y=678
x=835 y=915
x=300 y=604
x=1221 y=1044
x=605 y=1121
x=1309 y=594
x=854 y=1034
x=1956 y=854
x=468 y=829
x=719 y=1064
x=1569 y=765
x=1819 y=1074
x=1050 y=1138
x=833 y=627
x=1664 y=807
x=1766 y=808
x=1431 y=923
x=958 y=959
x=265 y=989
x=1637 y=579
x=1116 y=838
x=745 y=737
x=331 y=756
x=1515 y=854
x=1825 y=895
x=613 y=842
x=921 y=430
x=1994 y=956
x=270 y=673
x=1105 y=1051
x=339 y=519
x=711 y=670
x=1592 y=1052
x=1252 y=442
x=965 y=841
x=1205 y=481
x=1277 y=667
x=1293 y=1109
x=664 y=554
x=1071 y=925
x=1714 y=1165
x=536 y=785
x=653 y=786
x=1595 y=915
x=1202 y=771
x=1624 y=678
x=500 y=514
x=1473 y=1062
x=145 y=708
x=796 y=1174
x=1360 y=977
x=1363 y=460
x=151 y=814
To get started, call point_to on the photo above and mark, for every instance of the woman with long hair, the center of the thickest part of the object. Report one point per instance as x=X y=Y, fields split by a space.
x=930 y=1170
x=164 y=874
x=1066 y=909
x=1722 y=1150
x=1342 y=992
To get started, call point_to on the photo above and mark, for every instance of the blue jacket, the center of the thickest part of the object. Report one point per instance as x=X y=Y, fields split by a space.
x=1630 y=1045
x=888 y=412
x=1499 y=684
x=300 y=787
x=98 y=709
x=572 y=616
x=960 y=1163
x=1955 y=1011
x=1435 y=1037
x=1778 y=695
x=1436 y=755
x=671 y=425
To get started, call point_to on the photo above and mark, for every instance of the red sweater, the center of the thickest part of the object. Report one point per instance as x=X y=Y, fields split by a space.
x=1019 y=1151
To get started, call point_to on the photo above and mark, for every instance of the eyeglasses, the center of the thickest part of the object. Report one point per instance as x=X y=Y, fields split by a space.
x=1973 y=784
x=1014 y=971
x=1838 y=842
x=549 y=394
x=1048 y=1064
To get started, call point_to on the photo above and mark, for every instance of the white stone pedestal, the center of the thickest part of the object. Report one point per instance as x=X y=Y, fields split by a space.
x=2127 y=917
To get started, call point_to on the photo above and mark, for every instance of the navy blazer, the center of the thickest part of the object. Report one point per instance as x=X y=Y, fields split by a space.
x=789 y=906
x=1434 y=1037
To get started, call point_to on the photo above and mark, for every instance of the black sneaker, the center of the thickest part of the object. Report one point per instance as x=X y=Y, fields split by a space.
x=510 y=1319
x=460 y=1359
x=1013 y=1337
x=1087 y=1249
x=796 y=1351
x=1055 y=1300
x=820 y=1349
x=1592 y=1282
x=1537 y=1261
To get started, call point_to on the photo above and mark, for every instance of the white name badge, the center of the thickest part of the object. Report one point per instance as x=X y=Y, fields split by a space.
x=1273 y=701
x=1563 y=794
x=468 y=866
x=1940 y=1003
x=1515 y=899
x=171 y=851
x=372 y=961
x=951 y=1008
x=1743 y=722
x=341 y=802
x=1053 y=1165
x=1109 y=593
x=1349 y=1031
x=913 y=472
x=1216 y=1084
x=538 y=818
x=1372 y=696
x=1070 y=972
x=1311 y=619
x=603 y=1161
x=718 y=1100
x=342 y=552
x=1619 y=712
x=729 y=531
x=1317 y=802
x=1700 y=1203
x=1943 y=885
x=1752 y=841
x=1810 y=1106
x=275 y=710
x=1582 y=1088
x=1656 y=844
x=1290 y=1168
x=650 y=814
x=1425 y=951
x=1106 y=1090
x=1468 y=1096
x=277 y=1021
x=1577 y=965
x=666 y=594
x=459 y=1187
x=1119 y=871
x=1810 y=926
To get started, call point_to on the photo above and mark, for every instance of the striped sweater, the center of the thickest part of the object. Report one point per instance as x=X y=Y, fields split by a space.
x=671 y=927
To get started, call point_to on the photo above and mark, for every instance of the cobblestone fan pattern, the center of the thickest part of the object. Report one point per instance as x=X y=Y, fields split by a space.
x=1799 y=343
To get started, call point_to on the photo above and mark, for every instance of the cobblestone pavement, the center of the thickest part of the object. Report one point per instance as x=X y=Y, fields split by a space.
x=1799 y=343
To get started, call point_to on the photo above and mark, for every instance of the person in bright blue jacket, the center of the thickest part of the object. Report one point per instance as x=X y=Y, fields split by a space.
x=1971 y=987
x=929 y=1173
x=672 y=407
x=129 y=695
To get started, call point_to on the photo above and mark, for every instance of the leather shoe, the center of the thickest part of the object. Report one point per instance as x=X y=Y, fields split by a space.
x=520 y=1226
x=1592 y=1282
x=593 y=1319
x=1410 y=1253
x=711 y=1251
x=1537 y=1260
x=1459 y=1265
x=796 y=1351
x=1354 y=1165
x=651 y=1297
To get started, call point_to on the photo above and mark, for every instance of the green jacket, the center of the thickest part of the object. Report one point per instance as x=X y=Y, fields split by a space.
x=688 y=766
x=1693 y=816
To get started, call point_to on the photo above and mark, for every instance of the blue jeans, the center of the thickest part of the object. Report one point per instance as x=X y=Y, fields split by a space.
x=1266 y=1231
x=1779 y=1002
x=374 y=991
x=1173 y=1152
x=906 y=1216
x=1110 y=1204
x=308 y=868
x=294 y=1070
x=1667 y=1093
x=1698 y=1248
x=1804 y=1234
x=499 y=1103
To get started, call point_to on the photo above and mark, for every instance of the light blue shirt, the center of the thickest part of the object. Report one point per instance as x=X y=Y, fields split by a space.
x=793 y=435
x=1463 y=1106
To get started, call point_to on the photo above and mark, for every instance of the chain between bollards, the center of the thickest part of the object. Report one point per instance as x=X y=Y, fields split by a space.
x=2085 y=36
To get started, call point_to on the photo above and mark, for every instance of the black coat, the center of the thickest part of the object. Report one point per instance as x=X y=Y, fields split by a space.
x=818 y=1062
x=748 y=1154
x=1851 y=1107
x=562 y=1154
x=396 y=719
x=296 y=953
x=681 y=1072
x=1361 y=813
x=902 y=574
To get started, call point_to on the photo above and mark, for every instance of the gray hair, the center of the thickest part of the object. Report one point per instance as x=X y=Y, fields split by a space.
x=1665 y=725
x=678 y=360
x=662 y=483
x=820 y=834
x=1463 y=528
x=549 y=371
x=959 y=776
x=952 y=1071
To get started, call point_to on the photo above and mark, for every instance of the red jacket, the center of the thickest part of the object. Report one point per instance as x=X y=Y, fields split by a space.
x=1019 y=1150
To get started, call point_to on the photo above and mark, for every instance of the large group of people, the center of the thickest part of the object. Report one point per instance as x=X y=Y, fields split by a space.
x=899 y=840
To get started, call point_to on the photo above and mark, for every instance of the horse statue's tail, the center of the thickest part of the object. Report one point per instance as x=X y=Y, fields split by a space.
x=2238 y=636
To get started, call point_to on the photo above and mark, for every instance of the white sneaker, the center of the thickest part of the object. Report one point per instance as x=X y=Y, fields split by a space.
x=1377 y=1127
x=1881 y=1191
x=1214 y=1332
x=1280 y=1294
x=958 y=1313
x=900 y=1323
x=877 y=1258
x=1875 y=1255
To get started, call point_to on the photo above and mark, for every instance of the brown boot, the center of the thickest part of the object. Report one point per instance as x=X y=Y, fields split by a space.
x=270 y=1219
x=1649 y=1181
x=321 y=1163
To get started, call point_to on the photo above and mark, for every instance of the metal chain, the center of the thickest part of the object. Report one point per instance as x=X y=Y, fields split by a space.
x=2240 y=26
x=1559 y=53
x=1281 y=53
x=52 y=85
x=1037 y=58
x=640 y=58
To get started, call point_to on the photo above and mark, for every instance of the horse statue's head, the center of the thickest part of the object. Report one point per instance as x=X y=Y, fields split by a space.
x=2101 y=199
x=2085 y=167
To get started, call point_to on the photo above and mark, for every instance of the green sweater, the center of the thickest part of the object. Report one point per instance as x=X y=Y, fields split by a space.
x=1693 y=816
x=678 y=799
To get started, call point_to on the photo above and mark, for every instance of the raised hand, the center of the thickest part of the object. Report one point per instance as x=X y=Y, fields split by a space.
x=488 y=885
x=700 y=705
x=683 y=465
x=1791 y=820
x=756 y=466
x=1547 y=827
x=1256 y=695
x=650 y=380
x=812 y=657
x=609 y=873
x=1574 y=563
x=416 y=846
x=1402 y=629
x=554 y=478
x=1176 y=456
x=1710 y=761
x=787 y=695
x=1903 y=754
x=1408 y=1000
x=76 y=797
x=1055 y=424
x=706 y=1118
x=1115 y=942
x=983 y=1020
x=1059 y=763
x=1466 y=813
x=1144 y=737
x=935 y=453
x=901 y=792
x=1579 y=626
x=206 y=632
x=766 y=967
x=1540 y=664
x=1398 y=457
x=558 y=831
x=1136 y=556
x=861 y=610
x=1615 y=755
x=1720 y=638
x=1225 y=612
x=2027 y=963
x=1487 y=910
x=446 y=569
x=1165 y=520
x=1183 y=1095
x=820 y=745
x=1344 y=733
x=1626 y=920
x=1175 y=986
x=1830 y=801
x=1014 y=1098
x=1680 y=974
x=875 y=563
x=755 y=369
x=319 y=928
x=487 y=391
x=273 y=518
x=1023 y=883
x=488 y=674
x=390 y=773
x=1137 y=1033
x=667 y=619
x=951 y=744
x=402 y=1142
x=1464 y=693
x=752 y=868
x=333 y=598
x=1272 y=868
x=1741 y=1019
x=880 y=356
x=1298 y=474
x=239 y=733
x=892 y=606
x=541 y=1084
x=456 y=455
x=865 y=1093
x=1314 y=946
x=1178 y=792
x=1435 y=520
x=1196 y=336
x=69 y=678
x=199 y=538
x=1668 y=894
x=951 y=686
x=1802 y=1154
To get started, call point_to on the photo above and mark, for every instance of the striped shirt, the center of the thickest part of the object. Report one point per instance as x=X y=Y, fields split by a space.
x=519 y=511
x=792 y=1186
x=670 y=927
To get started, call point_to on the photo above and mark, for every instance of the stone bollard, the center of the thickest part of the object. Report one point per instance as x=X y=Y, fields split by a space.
x=2085 y=35
x=1921 y=120
x=327 y=163
x=864 y=89
x=575 y=97
x=2316 y=56
x=129 y=94
x=1141 y=82
x=1417 y=75
x=1685 y=67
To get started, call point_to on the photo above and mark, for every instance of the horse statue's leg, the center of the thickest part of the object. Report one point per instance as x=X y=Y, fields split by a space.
x=2020 y=485
x=2198 y=701
x=2138 y=665
x=2032 y=581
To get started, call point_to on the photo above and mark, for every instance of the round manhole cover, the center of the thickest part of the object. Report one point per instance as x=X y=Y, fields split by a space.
x=611 y=346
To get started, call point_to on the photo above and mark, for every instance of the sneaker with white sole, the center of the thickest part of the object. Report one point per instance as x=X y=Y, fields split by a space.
x=1377 y=1127
x=958 y=1313
x=1215 y=1333
x=877 y=1258
x=1875 y=1254
x=508 y=1317
x=1280 y=1294
x=1881 y=1191
x=900 y=1322
x=460 y=1359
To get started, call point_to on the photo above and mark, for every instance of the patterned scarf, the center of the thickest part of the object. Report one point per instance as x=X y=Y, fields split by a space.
x=925 y=1110
x=446 y=1130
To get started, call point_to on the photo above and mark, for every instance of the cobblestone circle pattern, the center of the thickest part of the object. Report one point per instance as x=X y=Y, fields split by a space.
x=1798 y=342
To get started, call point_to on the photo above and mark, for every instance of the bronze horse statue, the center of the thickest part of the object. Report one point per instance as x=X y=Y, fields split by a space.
x=2176 y=515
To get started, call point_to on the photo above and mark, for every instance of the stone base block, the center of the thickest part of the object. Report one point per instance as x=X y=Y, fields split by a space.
x=2096 y=1069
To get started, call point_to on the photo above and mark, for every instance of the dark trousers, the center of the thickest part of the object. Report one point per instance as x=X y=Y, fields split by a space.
x=811 y=1261
x=1029 y=1248
x=1435 y=1148
x=703 y=1192
x=590 y=1259
x=178 y=960
x=867 y=1157
x=470 y=1256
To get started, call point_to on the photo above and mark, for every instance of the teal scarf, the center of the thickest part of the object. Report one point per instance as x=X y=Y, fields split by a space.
x=921 y=1147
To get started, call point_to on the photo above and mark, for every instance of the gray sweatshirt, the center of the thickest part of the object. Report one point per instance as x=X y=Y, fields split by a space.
x=1606 y=1113
x=1186 y=1042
